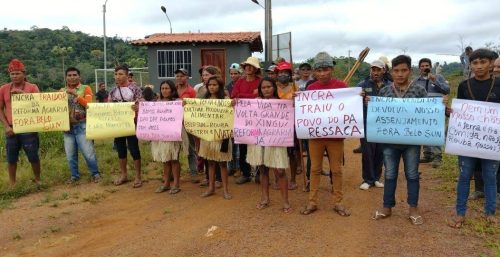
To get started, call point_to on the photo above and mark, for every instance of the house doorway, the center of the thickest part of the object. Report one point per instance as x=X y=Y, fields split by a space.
x=215 y=57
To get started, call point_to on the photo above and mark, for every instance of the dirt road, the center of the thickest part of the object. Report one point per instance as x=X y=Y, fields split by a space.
x=95 y=220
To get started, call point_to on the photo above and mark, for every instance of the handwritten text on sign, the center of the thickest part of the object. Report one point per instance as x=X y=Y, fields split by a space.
x=474 y=129
x=264 y=122
x=208 y=119
x=409 y=121
x=333 y=113
x=160 y=121
x=39 y=112
x=110 y=120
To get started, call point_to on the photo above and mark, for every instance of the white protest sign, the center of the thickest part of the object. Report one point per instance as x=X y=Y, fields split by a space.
x=332 y=113
x=474 y=129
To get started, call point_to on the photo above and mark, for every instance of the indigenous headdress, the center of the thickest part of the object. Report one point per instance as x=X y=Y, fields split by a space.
x=16 y=65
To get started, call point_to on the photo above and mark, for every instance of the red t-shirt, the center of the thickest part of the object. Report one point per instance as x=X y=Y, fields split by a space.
x=188 y=93
x=332 y=84
x=5 y=97
x=245 y=89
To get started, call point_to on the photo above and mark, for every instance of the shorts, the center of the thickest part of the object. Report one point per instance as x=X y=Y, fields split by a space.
x=28 y=141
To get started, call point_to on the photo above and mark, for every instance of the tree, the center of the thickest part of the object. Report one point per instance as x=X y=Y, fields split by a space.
x=63 y=52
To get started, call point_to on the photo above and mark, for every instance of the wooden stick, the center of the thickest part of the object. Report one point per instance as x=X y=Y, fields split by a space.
x=356 y=65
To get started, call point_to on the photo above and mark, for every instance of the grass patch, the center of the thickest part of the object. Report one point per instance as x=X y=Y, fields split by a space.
x=94 y=199
x=55 y=229
x=474 y=226
x=5 y=204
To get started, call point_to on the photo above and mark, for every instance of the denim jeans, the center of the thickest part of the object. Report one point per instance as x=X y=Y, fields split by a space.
x=192 y=156
x=392 y=156
x=75 y=139
x=489 y=171
x=371 y=161
x=234 y=164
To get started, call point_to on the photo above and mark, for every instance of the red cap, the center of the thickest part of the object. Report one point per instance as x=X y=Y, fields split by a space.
x=16 y=65
x=284 y=66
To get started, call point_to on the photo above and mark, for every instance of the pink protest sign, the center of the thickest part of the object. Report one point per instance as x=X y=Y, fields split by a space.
x=160 y=121
x=264 y=122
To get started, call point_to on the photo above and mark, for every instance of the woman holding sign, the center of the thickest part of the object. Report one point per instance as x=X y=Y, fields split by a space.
x=216 y=152
x=273 y=158
x=126 y=91
x=168 y=152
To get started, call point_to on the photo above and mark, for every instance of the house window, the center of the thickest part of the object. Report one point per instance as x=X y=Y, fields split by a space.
x=171 y=60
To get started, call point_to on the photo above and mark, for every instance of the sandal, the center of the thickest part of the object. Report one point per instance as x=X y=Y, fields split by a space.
x=137 y=184
x=207 y=194
x=308 y=210
x=287 y=210
x=174 y=190
x=120 y=181
x=262 y=205
x=292 y=186
x=380 y=215
x=342 y=211
x=457 y=222
x=416 y=220
x=491 y=219
x=162 y=189
x=204 y=183
x=228 y=196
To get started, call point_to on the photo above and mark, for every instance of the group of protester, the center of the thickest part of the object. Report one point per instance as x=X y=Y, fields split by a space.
x=219 y=159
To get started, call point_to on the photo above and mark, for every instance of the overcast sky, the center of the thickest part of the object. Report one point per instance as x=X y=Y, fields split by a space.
x=424 y=28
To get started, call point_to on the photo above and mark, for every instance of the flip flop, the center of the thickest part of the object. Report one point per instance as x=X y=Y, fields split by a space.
x=137 y=184
x=342 y=211
x=228 y=196
x=287 y=210
x=174 y=190
x=207 y=194
x=120 y=182
x=456 y=223
x=416 y=220
x=380 y=215
x=292 y=186
x=308 y=211
x=162 y=189
x=262 y=205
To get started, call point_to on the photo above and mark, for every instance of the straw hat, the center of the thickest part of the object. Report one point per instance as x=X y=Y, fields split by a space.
x=251 y=61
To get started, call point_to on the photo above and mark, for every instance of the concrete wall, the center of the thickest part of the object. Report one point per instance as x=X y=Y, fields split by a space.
x=235 y=53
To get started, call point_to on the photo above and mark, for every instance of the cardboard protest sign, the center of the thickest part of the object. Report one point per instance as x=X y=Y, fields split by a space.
x=474 y=129
x=160 y=121
x=333 y=113
x=110 y=120
x=40 y=112
x=408 y=121
x=208 y=119
x=264 y=122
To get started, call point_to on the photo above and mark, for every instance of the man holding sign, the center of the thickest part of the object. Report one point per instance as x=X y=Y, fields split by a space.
x=323 y=67
x=78 y=97
x=481 y=88
x=14 y=142
x=401 y=88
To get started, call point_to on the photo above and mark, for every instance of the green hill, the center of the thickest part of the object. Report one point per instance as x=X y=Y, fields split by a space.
x=42 y=51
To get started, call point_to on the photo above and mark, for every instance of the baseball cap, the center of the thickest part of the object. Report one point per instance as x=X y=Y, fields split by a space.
x=182 y=70
x=378 y=64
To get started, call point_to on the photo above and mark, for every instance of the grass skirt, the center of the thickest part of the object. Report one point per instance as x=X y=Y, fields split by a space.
x=210 y=150
x=269 y=156
x=165 y=151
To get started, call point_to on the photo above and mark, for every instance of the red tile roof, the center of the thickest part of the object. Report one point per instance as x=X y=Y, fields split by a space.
x=252 y=38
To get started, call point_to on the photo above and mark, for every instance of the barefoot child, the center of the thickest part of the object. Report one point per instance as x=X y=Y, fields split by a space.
x=267 y=158
x=168 y=152
x=216 y=152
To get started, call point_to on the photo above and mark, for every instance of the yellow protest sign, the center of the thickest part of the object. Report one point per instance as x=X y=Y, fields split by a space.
x=209 y=119
x=110 y=120
x=40 y=112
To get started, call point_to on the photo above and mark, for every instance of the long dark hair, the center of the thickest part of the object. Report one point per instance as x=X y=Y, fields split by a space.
x=173 y=90
x=221 y=93
x=275 y=87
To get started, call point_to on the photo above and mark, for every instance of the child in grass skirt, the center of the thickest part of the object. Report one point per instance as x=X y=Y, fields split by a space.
x=168 y=152
x=216 y=152
x=267 y=158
